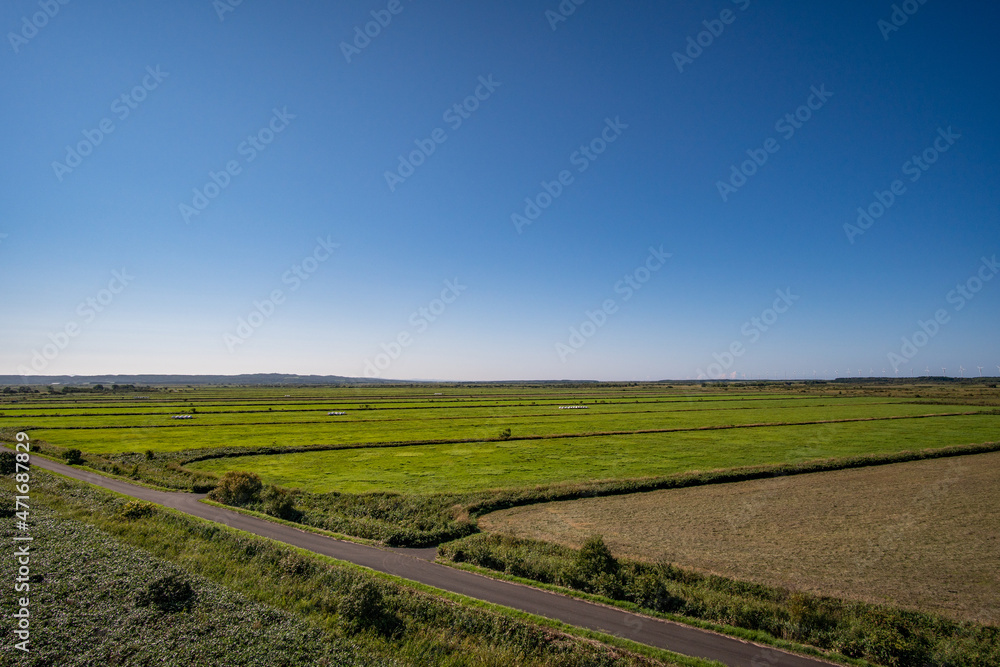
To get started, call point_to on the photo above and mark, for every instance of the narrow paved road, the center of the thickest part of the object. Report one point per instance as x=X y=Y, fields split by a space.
x=412 y=564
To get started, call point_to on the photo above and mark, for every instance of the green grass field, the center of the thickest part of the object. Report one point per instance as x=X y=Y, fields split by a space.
x=477 y=466
x=627 y=431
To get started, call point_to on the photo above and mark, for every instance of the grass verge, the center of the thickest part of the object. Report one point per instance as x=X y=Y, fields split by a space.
x=876 y=633
x=382 y=620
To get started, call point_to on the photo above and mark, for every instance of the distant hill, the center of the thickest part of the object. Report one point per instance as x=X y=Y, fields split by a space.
x=151 y=380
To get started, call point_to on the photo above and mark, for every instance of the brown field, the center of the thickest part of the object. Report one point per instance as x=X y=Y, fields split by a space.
x=923 y=535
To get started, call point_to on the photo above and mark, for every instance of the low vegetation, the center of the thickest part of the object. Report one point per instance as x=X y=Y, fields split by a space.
x=98 y=600
x=880 y=634
x=139 y=588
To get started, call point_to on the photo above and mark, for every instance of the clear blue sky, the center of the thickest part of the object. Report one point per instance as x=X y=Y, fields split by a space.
x=279 y=72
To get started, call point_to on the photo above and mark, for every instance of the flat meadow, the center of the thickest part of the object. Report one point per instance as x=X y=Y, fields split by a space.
x=477 y=466
x=460 y=439
x=808 y=511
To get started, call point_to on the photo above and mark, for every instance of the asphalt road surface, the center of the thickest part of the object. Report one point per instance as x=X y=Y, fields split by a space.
x=416 y=565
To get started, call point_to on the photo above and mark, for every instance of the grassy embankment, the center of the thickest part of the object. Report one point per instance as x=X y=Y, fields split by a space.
x=99 y=598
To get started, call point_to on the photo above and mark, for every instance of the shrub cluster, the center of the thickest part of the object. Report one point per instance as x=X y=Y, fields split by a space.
x=391 y=518
x=364 y=607
x=8 y=462
x=237 y=488
x=136 y=509
x=170 y=593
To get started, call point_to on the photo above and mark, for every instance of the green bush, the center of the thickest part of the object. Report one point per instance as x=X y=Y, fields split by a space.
x=170 y=593
x=136 y=509
x=8 y=463
x=363 y=607
x=280 y=503
x=237 y=488
x=73 y=457
x=595 y=559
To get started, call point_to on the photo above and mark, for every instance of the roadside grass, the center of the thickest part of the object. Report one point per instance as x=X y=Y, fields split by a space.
x=258 y=601
x=880 y=634
x=86 y=610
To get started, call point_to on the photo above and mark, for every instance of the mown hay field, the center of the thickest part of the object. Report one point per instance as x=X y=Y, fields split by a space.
x=923 y=534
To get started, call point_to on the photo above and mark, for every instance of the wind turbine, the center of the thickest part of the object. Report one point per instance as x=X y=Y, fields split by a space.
x=928 y=370
x=944 y=371
x=980 y=370
x=961 y=371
